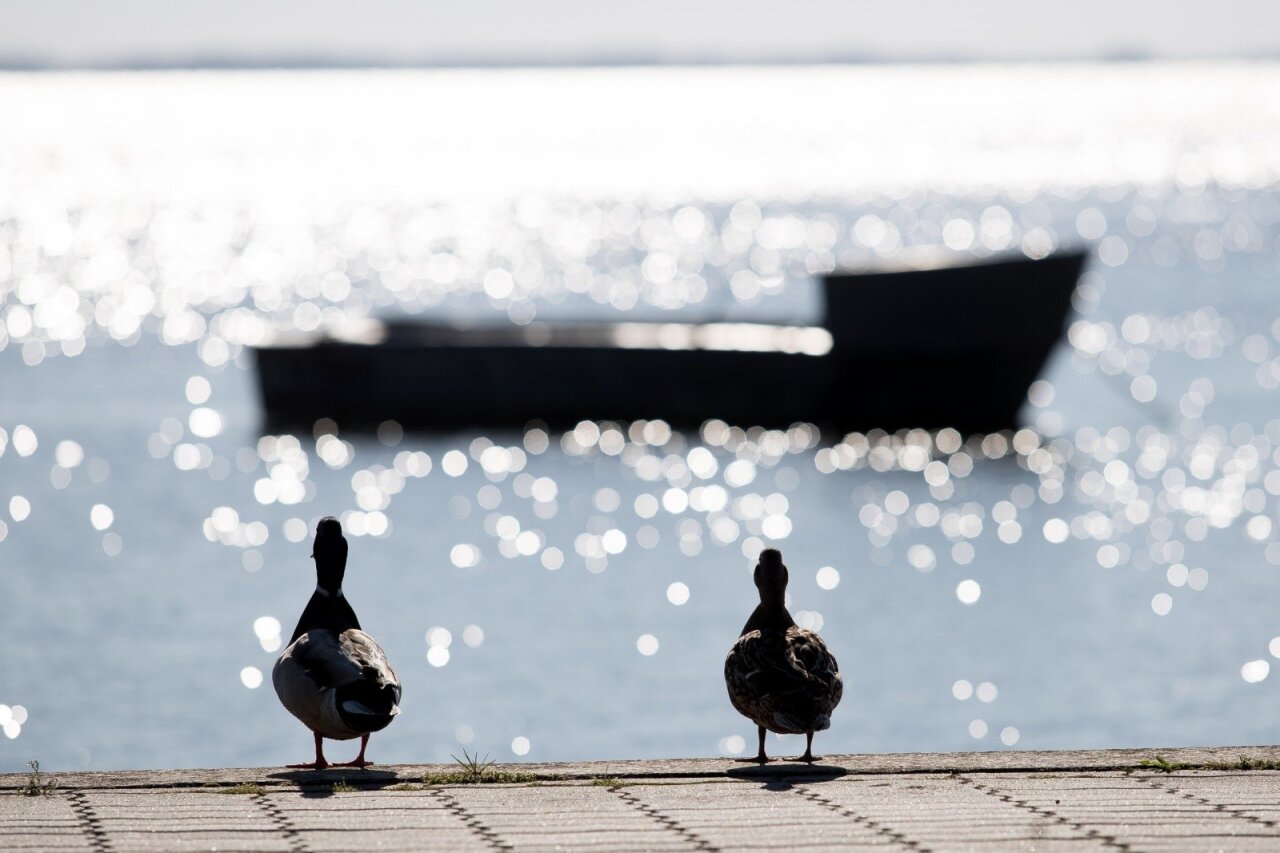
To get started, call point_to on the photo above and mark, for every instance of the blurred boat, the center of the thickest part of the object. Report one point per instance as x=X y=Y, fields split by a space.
x=922 y=344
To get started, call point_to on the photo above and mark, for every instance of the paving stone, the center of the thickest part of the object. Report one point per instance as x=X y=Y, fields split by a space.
x=1249 y=795
x=943 y=813
x=51 y=810
x=222 y=839
x=603 y=816
x=410 y=820
x=1130 y=810
x=744 y=815
x=182 y=820
x=424 y=839
x=1200 y=842
x=363 y=810
x=40 y=823
x=1075 y=844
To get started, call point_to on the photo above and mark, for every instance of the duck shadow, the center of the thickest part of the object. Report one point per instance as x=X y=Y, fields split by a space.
x=314 y=784
x=782 y=776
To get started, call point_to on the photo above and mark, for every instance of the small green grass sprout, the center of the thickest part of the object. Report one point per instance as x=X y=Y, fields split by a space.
x=607 y=782
x=1161 y=763
x=36 y=785
x=1244 y=762
x=242 y=788
x=474 y=770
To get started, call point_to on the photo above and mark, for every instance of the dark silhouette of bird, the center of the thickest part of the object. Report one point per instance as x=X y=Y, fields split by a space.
x=334 y=677
x=781 y=676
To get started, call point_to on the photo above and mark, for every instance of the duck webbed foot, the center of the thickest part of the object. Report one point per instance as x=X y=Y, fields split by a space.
x=760 y=757
x=359 y=760
x=320 y=763
x=808 y=757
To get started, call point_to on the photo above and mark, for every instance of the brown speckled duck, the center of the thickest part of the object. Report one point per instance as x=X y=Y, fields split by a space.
x=781 y=676
x=334 y=677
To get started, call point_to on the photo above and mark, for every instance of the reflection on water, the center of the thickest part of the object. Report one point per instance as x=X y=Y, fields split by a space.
x=1098 y=578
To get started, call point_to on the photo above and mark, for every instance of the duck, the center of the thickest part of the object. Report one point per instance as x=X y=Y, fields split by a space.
x=333 y=676
x=780 y=676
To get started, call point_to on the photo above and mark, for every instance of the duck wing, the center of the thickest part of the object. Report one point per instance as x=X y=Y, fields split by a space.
x=787 y=681
x=370 y=701
x=321 y=656
x=823 y=686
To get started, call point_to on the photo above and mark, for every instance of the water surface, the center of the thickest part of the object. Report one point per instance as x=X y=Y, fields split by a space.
x=1102 y=578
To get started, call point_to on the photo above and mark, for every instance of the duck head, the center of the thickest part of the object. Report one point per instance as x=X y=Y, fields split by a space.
x=771 y=577
x=330 y=553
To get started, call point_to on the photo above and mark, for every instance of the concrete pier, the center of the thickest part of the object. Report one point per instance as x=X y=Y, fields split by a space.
x=1153 y=799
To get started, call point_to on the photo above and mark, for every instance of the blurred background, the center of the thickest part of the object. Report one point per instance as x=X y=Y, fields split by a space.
x=181 y=181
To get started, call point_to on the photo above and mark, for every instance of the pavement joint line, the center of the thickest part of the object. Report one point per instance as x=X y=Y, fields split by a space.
x=282 y=822
x=992 y=791
x=875 y=826
x=666 y=821
x=89 y=822
x=1219 y=807
x=471 y=821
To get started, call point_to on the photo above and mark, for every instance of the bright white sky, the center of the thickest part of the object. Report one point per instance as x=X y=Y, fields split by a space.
x=113 y=32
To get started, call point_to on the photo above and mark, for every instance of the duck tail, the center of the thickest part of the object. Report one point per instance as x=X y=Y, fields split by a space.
x=368 y=706
x=793 y=724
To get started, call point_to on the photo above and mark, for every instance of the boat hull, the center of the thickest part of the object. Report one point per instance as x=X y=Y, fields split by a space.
x=931 y=348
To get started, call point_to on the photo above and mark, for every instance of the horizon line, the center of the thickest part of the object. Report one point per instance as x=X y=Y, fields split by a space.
x=304 y=62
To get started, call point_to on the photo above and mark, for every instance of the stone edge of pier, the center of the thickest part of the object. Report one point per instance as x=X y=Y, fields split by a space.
x=639 y=770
